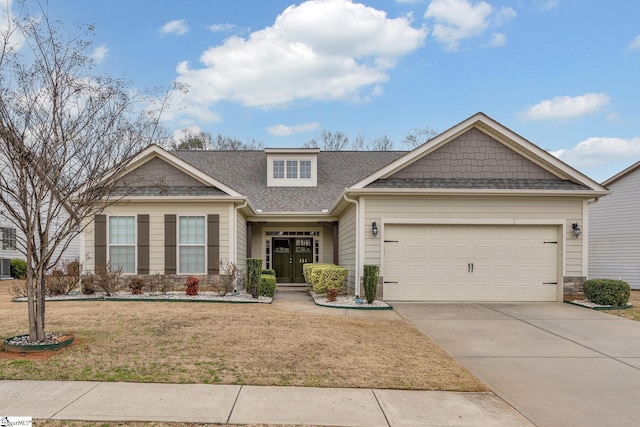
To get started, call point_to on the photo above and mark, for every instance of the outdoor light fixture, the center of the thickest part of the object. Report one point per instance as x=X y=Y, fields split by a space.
x=374 y=229
x=576 y=229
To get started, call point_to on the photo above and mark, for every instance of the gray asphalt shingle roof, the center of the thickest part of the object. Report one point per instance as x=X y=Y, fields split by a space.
x=485 y=184
x=246 y=172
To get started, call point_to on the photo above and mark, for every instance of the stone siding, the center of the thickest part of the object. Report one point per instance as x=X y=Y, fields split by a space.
x=572 y=288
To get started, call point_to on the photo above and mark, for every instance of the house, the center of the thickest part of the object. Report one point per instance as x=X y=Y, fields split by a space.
x=478 y=213
x=614 y=233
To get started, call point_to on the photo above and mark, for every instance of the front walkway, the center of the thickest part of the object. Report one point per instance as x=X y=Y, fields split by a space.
x=557 y=364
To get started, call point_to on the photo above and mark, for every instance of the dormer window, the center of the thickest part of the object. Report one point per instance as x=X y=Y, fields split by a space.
x=292 y=167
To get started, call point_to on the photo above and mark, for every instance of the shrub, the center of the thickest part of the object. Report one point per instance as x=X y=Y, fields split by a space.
x=191 y=287
x=18 y=268
x=254 y=268
x=228 y=279
x=607 y=291
x=332 y=294
x=270 y=272
x=59 y=283
x=159 y=282
x=136 y=284
x=308 y=268
x=88 y=285
x=371 y=282
x=19 y=290
x=327 y=276
x=107 y=279
x=267 y=285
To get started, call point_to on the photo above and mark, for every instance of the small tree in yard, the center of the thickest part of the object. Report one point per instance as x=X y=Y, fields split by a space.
x=254 y=271
x=229 y=277
x=65 y=137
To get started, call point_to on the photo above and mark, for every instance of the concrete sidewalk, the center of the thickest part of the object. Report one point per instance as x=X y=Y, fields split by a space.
x=234 y=404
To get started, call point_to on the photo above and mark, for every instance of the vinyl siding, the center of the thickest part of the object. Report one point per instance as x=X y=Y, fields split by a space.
x=241 y=242
x=614 y=233
x=470 y=209
x=347 y=244
x=156 y=212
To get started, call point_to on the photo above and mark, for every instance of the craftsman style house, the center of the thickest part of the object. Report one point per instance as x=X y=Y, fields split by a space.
x=478 y=213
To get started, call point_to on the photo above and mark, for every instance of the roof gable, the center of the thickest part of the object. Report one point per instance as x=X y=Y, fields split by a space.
x=622 y=175
x=481 y=149
x=156 y=171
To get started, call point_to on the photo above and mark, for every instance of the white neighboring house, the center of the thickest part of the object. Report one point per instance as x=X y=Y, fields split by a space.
x=10 y=247
x=614 y=232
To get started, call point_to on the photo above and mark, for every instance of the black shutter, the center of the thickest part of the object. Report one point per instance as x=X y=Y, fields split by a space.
x=100 y=244
x=143 y=244
x=213 y=244
x=170 y=244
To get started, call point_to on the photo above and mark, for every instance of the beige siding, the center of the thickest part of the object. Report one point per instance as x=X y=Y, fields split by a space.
x=347 y=245
x=614 y=232
x=477 y=209
x=326 y=255
x=241 y=244
x=156 y=213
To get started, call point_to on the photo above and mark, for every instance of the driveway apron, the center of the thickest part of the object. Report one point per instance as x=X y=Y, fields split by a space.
x=557 y=364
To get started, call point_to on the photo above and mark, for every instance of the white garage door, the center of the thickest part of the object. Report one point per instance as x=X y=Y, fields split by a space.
x=470 y=263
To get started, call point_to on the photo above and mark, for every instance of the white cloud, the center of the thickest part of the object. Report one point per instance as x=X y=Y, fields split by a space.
x=100 y=53
x=498 y=40
x=320 y=49
x=178 y=27
x=284 y=130
x=222 y=28
x=598 y=151
x=635 y=44
x=456 y=20
x=179 y=134
x=564 y=107
x=549 y=4
x=16 y=40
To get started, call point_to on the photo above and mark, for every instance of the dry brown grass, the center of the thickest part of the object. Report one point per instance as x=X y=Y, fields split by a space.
x=229 y=344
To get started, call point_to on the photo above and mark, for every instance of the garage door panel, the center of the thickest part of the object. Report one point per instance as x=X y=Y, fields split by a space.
x=433 y=262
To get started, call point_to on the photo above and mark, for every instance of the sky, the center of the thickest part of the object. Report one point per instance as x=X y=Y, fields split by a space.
x=564 y=74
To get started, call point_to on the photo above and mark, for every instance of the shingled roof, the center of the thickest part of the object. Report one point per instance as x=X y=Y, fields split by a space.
x=246 y=172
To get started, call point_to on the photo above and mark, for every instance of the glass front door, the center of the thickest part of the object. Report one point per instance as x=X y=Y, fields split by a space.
x=289 y=255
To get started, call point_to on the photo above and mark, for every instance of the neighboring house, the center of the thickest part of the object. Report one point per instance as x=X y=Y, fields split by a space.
x=614 y=230
x=8 y=249
x=478 y=213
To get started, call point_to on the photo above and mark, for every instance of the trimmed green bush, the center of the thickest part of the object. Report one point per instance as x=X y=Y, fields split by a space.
x=327 y=276
x=371 y=273
x=270 y=272
x=18 y=268
x=607 y=291
x=307 y=268
x=254 y=270
x=267 y=285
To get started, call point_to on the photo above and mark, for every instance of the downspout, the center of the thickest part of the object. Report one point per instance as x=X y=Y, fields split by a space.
x=356 y=284
x=234 y=233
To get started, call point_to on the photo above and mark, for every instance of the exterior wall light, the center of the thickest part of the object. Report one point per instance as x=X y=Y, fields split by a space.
x=576 y=229
x=374 y=229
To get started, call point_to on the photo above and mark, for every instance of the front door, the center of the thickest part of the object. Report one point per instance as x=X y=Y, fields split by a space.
x=289 y=255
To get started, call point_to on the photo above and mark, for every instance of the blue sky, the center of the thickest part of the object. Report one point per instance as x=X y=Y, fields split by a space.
x=561 y=73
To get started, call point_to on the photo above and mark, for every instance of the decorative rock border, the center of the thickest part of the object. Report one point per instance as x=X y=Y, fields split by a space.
x=593 y=306
x=60 y=342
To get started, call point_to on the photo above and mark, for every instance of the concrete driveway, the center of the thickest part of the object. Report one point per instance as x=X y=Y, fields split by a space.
x=557 y=364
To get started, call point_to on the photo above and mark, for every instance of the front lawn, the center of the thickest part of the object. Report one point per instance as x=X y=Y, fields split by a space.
x=257 y=344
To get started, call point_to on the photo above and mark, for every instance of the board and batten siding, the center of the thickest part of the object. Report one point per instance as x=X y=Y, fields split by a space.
x=156 y=212
x=347 y=245
x=614 y=232
x=470 y=210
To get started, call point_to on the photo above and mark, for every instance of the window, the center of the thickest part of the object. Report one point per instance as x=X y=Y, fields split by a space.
x=8 y=239
x=191 y=245
x=292 y=169
x=278 y=168
x=122 y=243
x=305 y=169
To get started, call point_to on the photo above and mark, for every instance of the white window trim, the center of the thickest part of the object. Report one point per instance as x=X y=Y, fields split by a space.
x=312 y=181
x=135 y=240
x=179 y=245
x=3 y=230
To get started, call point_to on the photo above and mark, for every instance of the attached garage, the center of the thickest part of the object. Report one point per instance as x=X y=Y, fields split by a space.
x=471 y=262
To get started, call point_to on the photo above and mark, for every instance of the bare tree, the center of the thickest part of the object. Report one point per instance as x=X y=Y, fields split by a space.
x=418 y=137
x=381 y=143
x=358 y=144
x=65 y=136
x=204 y=141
